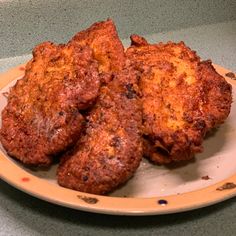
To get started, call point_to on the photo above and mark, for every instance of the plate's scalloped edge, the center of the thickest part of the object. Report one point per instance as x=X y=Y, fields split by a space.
x=105 y=204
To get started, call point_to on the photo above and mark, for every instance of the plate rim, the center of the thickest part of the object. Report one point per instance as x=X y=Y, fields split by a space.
x=56 y=194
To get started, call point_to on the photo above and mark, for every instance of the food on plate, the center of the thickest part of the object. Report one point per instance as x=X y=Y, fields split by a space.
x=107 y=48
x=42 y=117
x=110 y=150
x=182 y=98
x=99 y=108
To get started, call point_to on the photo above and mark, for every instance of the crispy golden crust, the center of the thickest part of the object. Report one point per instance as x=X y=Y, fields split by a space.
x=111 y=149
x=218 y=94
x=182 y=98
x=107 y=48
x=42 y=115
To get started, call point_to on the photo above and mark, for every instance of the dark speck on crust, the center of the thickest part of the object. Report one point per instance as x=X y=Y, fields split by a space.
x=200 y=124
x=226 y=186
x=115 y=142
x=130 y=91
x=85 y=178
x=89 y=200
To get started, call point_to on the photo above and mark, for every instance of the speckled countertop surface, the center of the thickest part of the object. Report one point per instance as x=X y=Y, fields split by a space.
x=209 y=27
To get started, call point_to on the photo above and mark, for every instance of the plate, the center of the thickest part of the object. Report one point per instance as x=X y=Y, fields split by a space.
x=153 y=190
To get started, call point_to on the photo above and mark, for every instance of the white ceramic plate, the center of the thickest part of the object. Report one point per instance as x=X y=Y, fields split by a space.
x=209 y=179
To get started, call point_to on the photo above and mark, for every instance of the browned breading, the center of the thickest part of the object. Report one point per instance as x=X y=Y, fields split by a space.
x=182 y=98
x=42 y=116
x=218 y=94
x=111 y=149
x=107 y=48
x=159 y=99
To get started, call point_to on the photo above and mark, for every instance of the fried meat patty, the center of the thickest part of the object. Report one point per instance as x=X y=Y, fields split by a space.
x=182 y=97
x=110 y=151
x=42 y=116
x=103 y=39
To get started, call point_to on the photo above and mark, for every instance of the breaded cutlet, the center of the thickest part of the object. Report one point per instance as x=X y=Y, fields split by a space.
x=103 y=39
x=182 y=97
x=42 y=117
x=110 y=150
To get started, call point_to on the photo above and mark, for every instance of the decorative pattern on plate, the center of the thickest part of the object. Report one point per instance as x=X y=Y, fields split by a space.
x=89 y=200
x=162 y=202
x=226 y=186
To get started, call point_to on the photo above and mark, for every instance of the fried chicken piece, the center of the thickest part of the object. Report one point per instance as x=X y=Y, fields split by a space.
x=182 y=98
x=42 y=116
x=107 y=48
x=111 y=149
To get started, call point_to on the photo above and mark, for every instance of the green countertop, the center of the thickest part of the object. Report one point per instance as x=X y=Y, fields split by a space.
x=209 y=27
x=21 y=214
